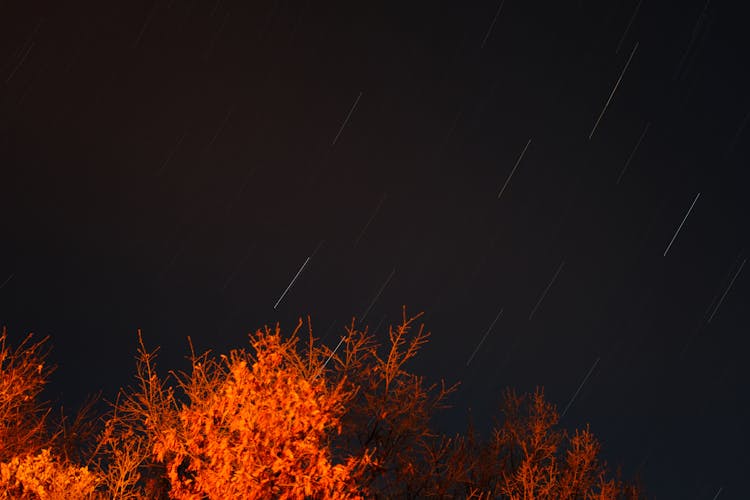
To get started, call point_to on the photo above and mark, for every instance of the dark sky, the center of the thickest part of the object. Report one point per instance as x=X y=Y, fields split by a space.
x=172 y=165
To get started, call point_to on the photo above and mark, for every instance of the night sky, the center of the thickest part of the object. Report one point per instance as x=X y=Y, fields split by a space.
x=562 y=188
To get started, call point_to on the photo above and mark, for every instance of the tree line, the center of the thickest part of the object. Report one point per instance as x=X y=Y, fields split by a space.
x=286 y=417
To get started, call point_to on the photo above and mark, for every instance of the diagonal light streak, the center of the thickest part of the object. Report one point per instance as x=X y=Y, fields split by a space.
x=727 y=290
x=579 y=388
x=681 y=223
x=485 y=336
x=292 y=282
x=613 y=92
x=520 y=157
x=346 y=120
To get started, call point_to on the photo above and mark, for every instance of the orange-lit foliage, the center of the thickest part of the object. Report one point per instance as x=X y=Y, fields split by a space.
x=23 y=374
x=280 y=421
x=43 y=477
x=256 y=428
x=538 y=461
x=28 y=467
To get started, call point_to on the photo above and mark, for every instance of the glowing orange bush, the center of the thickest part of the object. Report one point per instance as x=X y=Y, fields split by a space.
x=256 y=429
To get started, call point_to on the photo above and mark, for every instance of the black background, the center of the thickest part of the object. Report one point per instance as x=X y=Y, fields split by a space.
x=170 y=166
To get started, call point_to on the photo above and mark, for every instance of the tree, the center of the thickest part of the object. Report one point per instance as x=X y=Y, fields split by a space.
x=527 y=456
x=390 y=416
x=247 y=427
x=23 y=374
x=28 y=467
